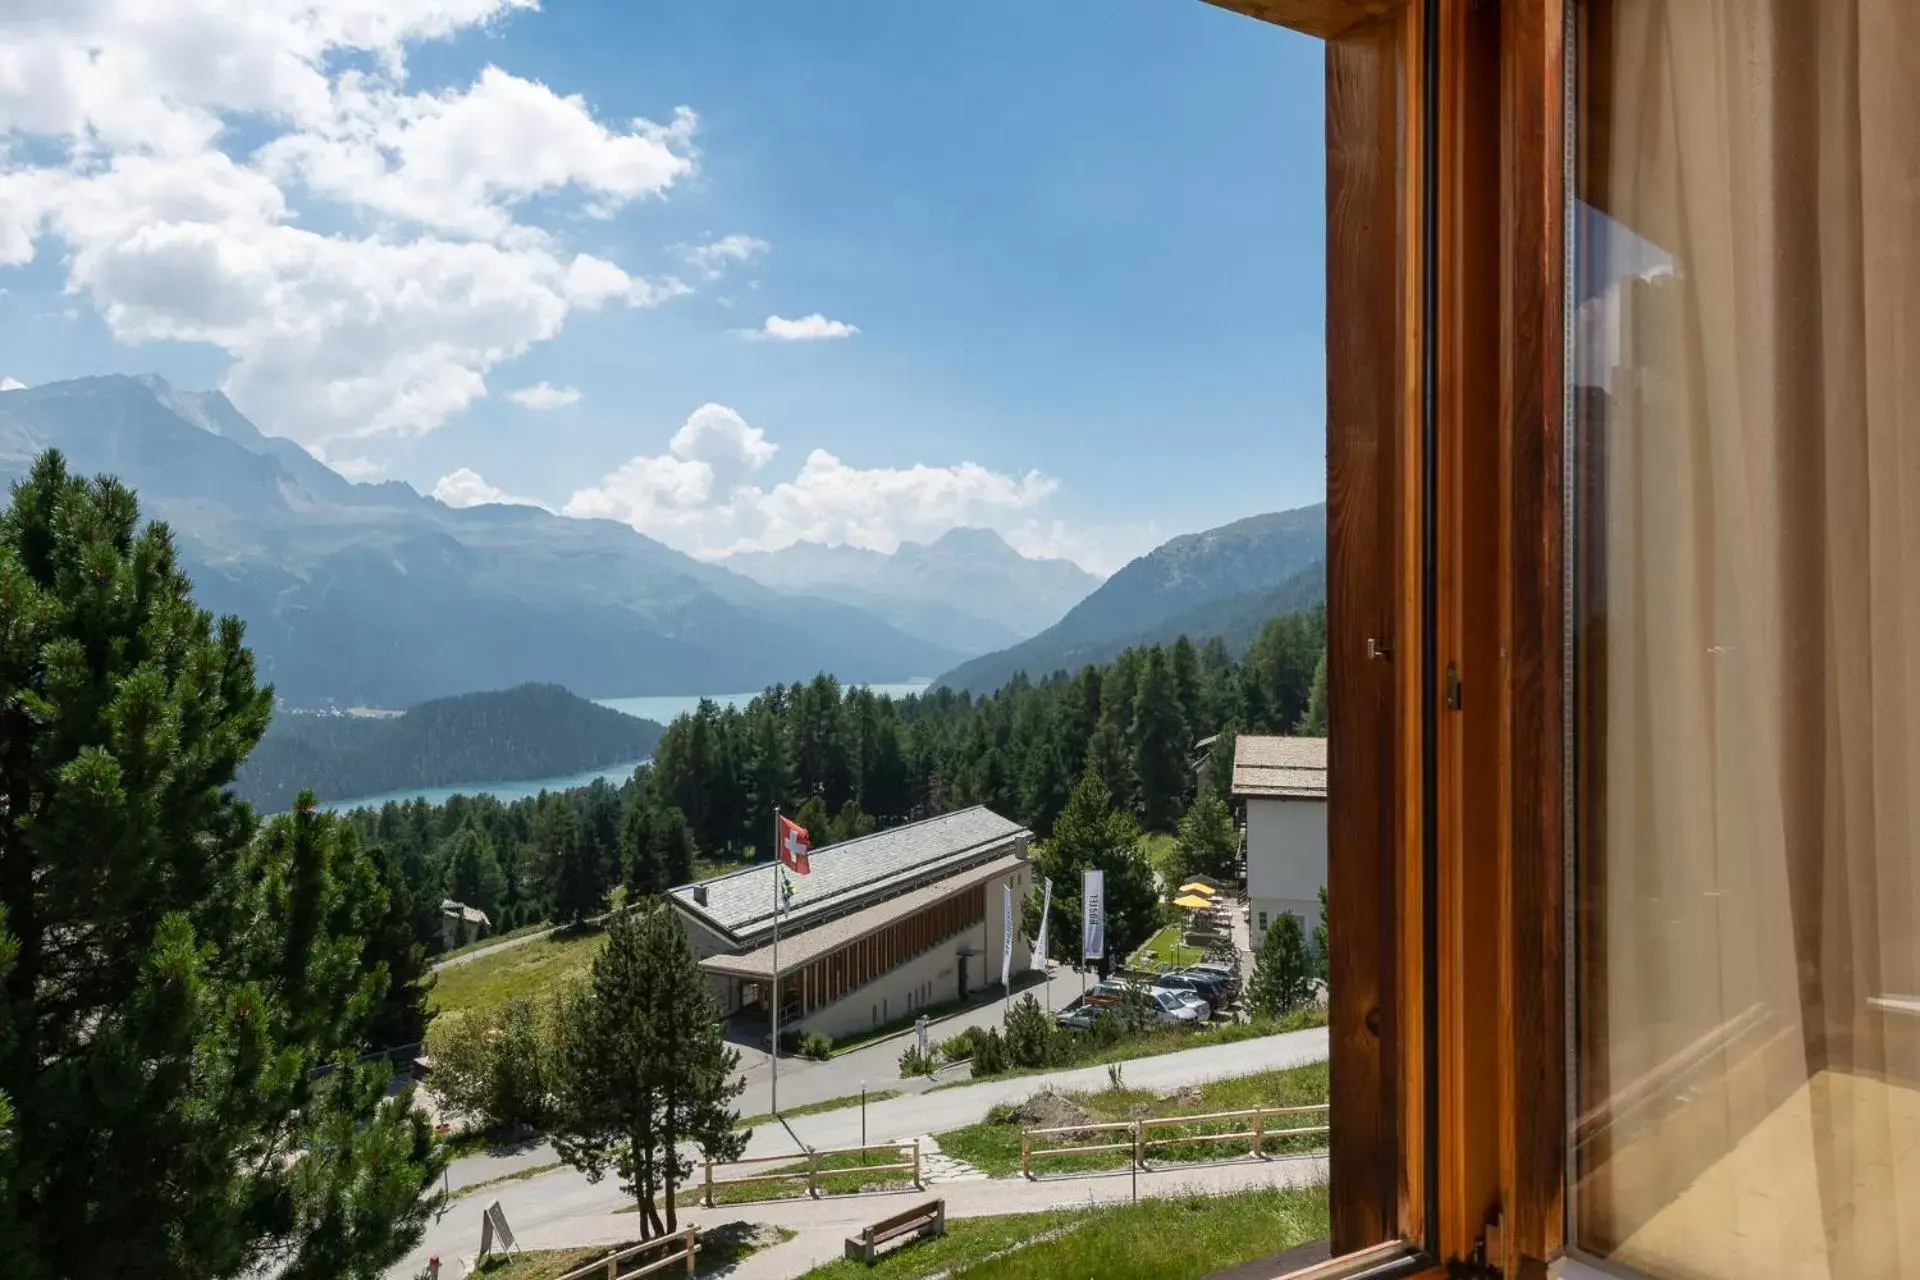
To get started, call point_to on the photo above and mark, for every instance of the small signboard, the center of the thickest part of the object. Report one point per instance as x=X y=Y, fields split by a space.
x=493 y=1227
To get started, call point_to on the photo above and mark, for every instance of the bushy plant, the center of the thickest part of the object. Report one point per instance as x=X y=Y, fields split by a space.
x=816 y=1045
x=960 y=1048
x=915 y=1063
x=1032 y=1038
x=497 y=1065
x=1283 y=973
x=989 y=1055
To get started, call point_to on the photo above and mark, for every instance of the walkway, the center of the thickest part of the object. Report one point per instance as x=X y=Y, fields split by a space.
x=823 y=1225
x=564 y=1206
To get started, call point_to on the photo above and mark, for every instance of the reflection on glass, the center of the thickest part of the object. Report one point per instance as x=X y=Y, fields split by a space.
x=1747 y=674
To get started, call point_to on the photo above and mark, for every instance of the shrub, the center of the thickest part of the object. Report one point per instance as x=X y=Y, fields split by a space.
x=960 y=1048
x=1032 y=1039
x=915 y=1063
x=989 y=1055
x=497 y=1065
x=1283 y=974
x=816 y=1045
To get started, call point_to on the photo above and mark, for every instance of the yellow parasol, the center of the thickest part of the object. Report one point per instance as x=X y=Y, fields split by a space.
x=1193 y=902
x=1206 y=890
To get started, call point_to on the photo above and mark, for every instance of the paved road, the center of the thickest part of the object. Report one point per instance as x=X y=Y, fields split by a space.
x=561 y=1207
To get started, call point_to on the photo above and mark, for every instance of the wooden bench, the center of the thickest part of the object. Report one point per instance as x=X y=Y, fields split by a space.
x=929 y=1218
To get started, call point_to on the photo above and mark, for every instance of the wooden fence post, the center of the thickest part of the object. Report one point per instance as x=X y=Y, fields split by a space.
x=1026 y=1157
x=709 y=1195
x=813 y=1173
x=917 y=1184
x=1139 y=1161
x=693 y=1247
x=1257 y=1113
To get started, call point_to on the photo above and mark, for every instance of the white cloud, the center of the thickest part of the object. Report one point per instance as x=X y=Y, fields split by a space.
x=714 y=257
x=362 y=468
x=705 y=496
x=806 y=329
x=466 y=488
x=368 y=263
x=544 y=395
x=12 y=384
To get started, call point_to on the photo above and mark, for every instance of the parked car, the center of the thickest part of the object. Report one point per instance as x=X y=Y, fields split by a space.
x=1192 y=999
x=1205 y=987
x=1174 y=1009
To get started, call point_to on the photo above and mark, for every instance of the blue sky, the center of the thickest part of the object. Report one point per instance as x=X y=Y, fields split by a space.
x=1081 y=245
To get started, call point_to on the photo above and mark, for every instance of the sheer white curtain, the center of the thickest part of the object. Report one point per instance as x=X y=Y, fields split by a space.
x=1750 y=638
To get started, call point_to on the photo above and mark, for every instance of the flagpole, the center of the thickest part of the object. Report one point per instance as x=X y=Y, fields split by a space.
x=773 y=1102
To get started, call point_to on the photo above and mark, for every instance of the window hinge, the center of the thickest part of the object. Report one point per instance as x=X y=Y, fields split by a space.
x=1453 y=686
x=1488 y=1259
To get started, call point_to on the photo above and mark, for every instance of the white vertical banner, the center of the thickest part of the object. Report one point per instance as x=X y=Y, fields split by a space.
x=1006 y=943
x=1093 y=914
x=1039 y=958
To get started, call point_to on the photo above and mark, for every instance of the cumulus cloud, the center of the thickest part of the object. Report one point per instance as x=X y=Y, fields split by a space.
x=12 y=384
x=706 y=494
x=811 y=328
x=357 y=468
x=466 y=488
x=544 y=395
x=371 y=259
x=715 y=257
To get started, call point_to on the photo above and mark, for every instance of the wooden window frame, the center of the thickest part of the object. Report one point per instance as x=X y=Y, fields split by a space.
x=1446 y=232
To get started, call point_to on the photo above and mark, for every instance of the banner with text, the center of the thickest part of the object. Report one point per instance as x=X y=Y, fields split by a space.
x=1093 y=914
x=1006 y=944
x=1038 y=960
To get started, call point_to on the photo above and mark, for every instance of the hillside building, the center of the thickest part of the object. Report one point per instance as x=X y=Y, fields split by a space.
x=883 y=926
x=1282 y=782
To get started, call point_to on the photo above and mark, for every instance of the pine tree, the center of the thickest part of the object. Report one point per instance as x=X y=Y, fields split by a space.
x=672 y=840
x=642 y=866
x=813 y=819
x=850 y=823
x=401 y=1015
x=157 y=1075
x=1159 y=745
x=1313 y=721
x=1283 y=971
x=473 y=872
x=1091 y=833
x=576 y=884
x=644 y=1066
x=769 y=771
x=1219 y=779
x=1209 y=843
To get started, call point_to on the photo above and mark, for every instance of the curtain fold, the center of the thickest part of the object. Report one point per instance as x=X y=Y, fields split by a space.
x=1749 y=372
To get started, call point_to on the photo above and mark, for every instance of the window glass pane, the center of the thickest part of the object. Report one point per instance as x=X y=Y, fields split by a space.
x=1746 y=558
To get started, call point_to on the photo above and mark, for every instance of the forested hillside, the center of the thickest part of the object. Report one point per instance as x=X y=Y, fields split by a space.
x=531 y=731
x=1188 y=586
x=845 y=762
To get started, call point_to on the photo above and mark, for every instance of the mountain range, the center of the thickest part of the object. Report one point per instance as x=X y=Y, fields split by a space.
x=370 y=594
x=1224 y=582
x=967 y=590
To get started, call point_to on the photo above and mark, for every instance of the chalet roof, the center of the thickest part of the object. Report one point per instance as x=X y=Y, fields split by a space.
x=850 y=875
x=1280 y=768
x=806 y=947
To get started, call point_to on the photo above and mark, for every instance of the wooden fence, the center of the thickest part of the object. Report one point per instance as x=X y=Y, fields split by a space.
x=680 y=1250
x=1257 y=1130
x=812 y=1174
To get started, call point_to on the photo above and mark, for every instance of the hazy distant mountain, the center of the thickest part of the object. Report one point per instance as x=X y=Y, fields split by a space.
x=1201 y=584
x=967 y=590
x=371 y=594
x=534 y=731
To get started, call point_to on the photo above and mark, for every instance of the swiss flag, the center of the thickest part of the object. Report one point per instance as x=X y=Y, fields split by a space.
x=794 y=846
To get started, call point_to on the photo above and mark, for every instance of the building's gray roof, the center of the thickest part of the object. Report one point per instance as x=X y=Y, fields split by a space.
x=829 y=937
x=1283 y=768
x=740 y=903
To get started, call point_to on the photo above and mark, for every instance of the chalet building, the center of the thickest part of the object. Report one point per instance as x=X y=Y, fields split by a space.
x=1282 y=782
x=882 y=926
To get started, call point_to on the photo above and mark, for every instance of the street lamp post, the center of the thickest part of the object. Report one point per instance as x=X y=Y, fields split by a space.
x=863 y=1117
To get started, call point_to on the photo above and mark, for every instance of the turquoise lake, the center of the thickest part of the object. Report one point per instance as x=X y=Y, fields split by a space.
x=663 y=708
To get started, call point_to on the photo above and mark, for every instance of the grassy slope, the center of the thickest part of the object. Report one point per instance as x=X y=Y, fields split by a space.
x=993 y=1145
x=1158 y=1040
x=1185 y=1236
x=517 y=971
